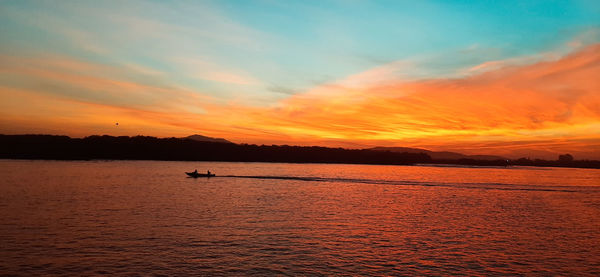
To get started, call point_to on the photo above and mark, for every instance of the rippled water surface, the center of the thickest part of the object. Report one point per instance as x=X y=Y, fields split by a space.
x=122 y=217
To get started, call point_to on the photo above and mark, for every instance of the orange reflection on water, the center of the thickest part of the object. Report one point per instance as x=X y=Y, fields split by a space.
x=85 y=217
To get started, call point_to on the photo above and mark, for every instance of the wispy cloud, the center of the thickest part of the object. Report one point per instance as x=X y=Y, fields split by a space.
x=554 y=105
x=63 y=77
x=199 y=68
x=547 y=101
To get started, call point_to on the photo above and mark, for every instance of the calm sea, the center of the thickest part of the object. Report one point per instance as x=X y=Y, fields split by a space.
x=124 y=217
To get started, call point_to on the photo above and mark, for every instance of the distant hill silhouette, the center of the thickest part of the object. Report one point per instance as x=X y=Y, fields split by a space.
x=440 y=155
x=197 y=137
x=445 y=157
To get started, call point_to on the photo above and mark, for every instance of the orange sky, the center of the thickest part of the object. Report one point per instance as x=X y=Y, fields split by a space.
x=536 y=109
x=514 y=78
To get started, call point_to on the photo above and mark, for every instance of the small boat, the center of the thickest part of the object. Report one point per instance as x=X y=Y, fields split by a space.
x=196 y=174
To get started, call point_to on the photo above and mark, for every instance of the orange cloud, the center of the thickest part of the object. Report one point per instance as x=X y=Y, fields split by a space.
x=553 y=106
x=534 y=110
x=66 y=78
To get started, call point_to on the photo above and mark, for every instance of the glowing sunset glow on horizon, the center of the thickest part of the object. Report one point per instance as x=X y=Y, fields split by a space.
x=252 y=76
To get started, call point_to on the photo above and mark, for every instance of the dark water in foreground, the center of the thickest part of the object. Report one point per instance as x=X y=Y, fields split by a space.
x=122 y=217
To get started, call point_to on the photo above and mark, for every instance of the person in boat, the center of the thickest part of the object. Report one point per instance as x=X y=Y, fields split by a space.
x=208 y=172
x=196 y=171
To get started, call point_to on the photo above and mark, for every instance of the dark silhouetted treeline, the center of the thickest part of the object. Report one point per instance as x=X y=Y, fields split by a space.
x=561 y=162
x=151 y=148
x=523 y=162
x=184 y=149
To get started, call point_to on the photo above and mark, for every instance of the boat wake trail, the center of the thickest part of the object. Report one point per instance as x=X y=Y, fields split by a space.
x=486 y=186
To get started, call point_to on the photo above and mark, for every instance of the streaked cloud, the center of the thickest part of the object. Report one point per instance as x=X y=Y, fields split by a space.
x=556 y=103
x=551 y=101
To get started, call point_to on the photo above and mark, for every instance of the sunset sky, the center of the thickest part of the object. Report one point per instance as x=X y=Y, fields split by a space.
x=513 y=78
